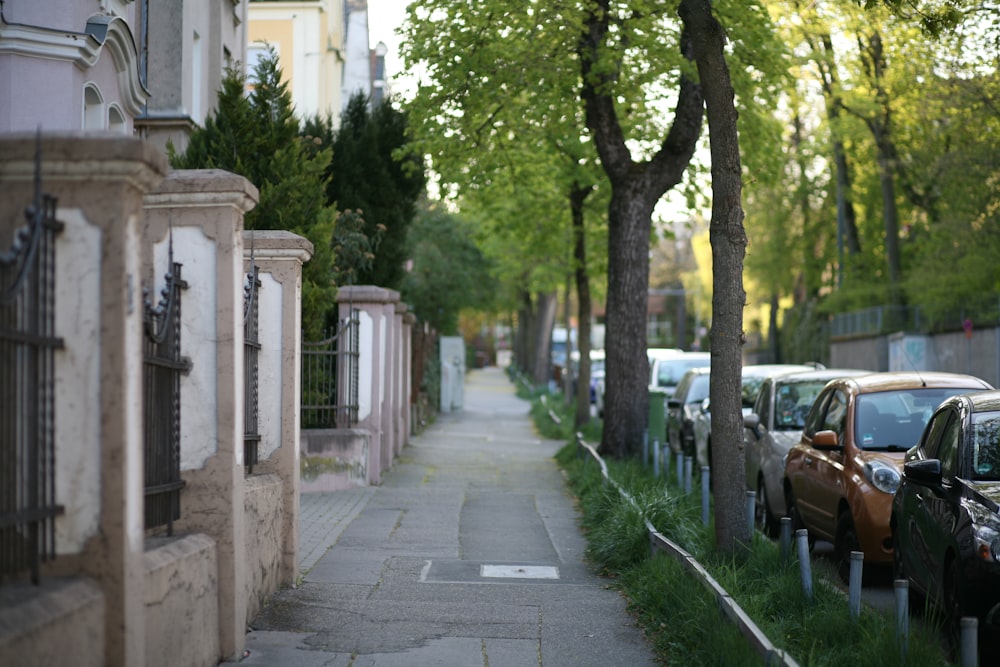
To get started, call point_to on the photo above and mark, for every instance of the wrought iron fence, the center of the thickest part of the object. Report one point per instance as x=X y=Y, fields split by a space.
x=162 y=369
x=251 y=355
x=27 y=402
x=326 y=366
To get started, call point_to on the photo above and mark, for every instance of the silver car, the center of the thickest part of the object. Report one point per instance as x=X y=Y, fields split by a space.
x=772 y=427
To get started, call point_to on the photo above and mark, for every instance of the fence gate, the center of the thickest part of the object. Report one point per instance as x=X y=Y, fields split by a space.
x=162 y=369
x=326 y=365
x=27 y=402
x=251 y=368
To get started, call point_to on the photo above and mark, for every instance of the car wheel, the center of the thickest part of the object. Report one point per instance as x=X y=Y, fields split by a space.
x=793 y=514
x=846 y=542
x=766 y=522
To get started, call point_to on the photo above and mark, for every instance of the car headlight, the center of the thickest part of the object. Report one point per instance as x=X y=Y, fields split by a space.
x=882 y=476
x=987 y=543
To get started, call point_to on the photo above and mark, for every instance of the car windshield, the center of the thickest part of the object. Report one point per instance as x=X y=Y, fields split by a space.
x=986 y=446
x=669 y=371
x=792 y=401
x=894 y=420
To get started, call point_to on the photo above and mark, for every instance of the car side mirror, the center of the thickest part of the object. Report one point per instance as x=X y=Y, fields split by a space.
x=826 y=440
x=752 y=422
x=923 y=471
x=674 y=403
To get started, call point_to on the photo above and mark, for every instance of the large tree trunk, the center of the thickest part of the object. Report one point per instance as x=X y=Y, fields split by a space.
x=635 y=188
x=728 y=297
x=577 y=196
x=545 y=318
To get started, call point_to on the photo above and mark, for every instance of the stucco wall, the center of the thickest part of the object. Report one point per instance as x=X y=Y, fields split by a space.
x=264 y=517
x=334 y=459
x=182 y=602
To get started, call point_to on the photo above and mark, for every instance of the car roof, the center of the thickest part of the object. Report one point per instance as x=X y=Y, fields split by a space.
x=698 y=370
x=654 y=353
x=766 y=370
x=825 y=374
x=981 y=401
x=889 y=380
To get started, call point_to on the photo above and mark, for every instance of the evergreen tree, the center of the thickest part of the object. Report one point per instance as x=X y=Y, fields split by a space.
x=256 y=135
x=366 y=176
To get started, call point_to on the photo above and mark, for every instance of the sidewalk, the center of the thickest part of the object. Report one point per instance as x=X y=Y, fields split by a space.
x=469 y=553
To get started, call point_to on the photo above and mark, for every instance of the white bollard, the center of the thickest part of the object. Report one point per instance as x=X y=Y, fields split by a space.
x=706 y=473
x=854 y=584
x=805 y=567
x=688 y=464
x=786 y=538
x=902 y=590
x=680 y=470
x=665 y=457
x=970 y=641
x=750 y=507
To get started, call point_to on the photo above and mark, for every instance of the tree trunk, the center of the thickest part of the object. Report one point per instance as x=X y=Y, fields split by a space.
x=635 y=188
x=578 y=195
x=729 y=242
x=545 y=318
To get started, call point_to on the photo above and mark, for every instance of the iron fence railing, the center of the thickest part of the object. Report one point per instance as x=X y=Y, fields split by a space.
x=251 y=369
x=326 y=366
x=880 y=320
x=28 y=343
x=162 y=369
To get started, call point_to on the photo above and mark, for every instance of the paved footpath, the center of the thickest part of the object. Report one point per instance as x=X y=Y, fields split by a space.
x=468 y=554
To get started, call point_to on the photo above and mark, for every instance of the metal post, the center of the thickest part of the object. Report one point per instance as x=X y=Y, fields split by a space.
x=645 y=448
x=902 y=590
x=805 y=567
x=786 y=538
x=705 y=474
x=969 y=641
x=680 y=469
x=688 y=464
x=665 y=457
x=750 y=504
x=854 y=583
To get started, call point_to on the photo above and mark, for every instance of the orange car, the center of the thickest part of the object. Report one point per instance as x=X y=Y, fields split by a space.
x=841 y=476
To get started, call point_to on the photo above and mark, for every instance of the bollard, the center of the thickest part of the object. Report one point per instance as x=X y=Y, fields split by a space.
x=805 y=567
x=786 y=538
x=656 y=457
x=854 y=584
x=902 y=590
x=688 y=464
x=705 y=474
x=645 y=448
x=750 y=505
x=665 y=457
x=969 y=641
x=680 y=470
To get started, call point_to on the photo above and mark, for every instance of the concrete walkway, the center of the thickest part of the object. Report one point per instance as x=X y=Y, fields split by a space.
x=468 y=554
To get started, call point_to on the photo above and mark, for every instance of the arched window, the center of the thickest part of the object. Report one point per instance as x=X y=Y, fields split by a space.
x=116 y=120
x=93 y=108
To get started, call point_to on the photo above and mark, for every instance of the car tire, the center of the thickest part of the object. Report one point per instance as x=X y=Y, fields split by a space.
x=765 y=520
x=793 y=514
x=846 y=542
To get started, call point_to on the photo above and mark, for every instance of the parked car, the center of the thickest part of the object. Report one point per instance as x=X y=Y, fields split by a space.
x=772 y=427
x=668 y=365
x=750 y=381
x=841 y=475
x=946 y=513
x=596 y=372
x=682 y=407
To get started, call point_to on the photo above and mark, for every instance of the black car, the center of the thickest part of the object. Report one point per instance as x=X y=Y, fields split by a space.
x=945 y=515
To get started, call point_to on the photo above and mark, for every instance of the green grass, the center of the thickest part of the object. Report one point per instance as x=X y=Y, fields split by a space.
x=681 y=617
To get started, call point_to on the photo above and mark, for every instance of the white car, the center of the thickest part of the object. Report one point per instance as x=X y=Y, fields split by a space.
x=752 y=377
x=772 y=427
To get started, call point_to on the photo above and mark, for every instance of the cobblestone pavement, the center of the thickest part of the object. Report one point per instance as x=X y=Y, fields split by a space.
x=323 y=517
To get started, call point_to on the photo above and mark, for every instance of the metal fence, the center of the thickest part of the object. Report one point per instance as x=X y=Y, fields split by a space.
x=326 y=403
x=162 y=369
x=27 y=402
x=251 y=354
